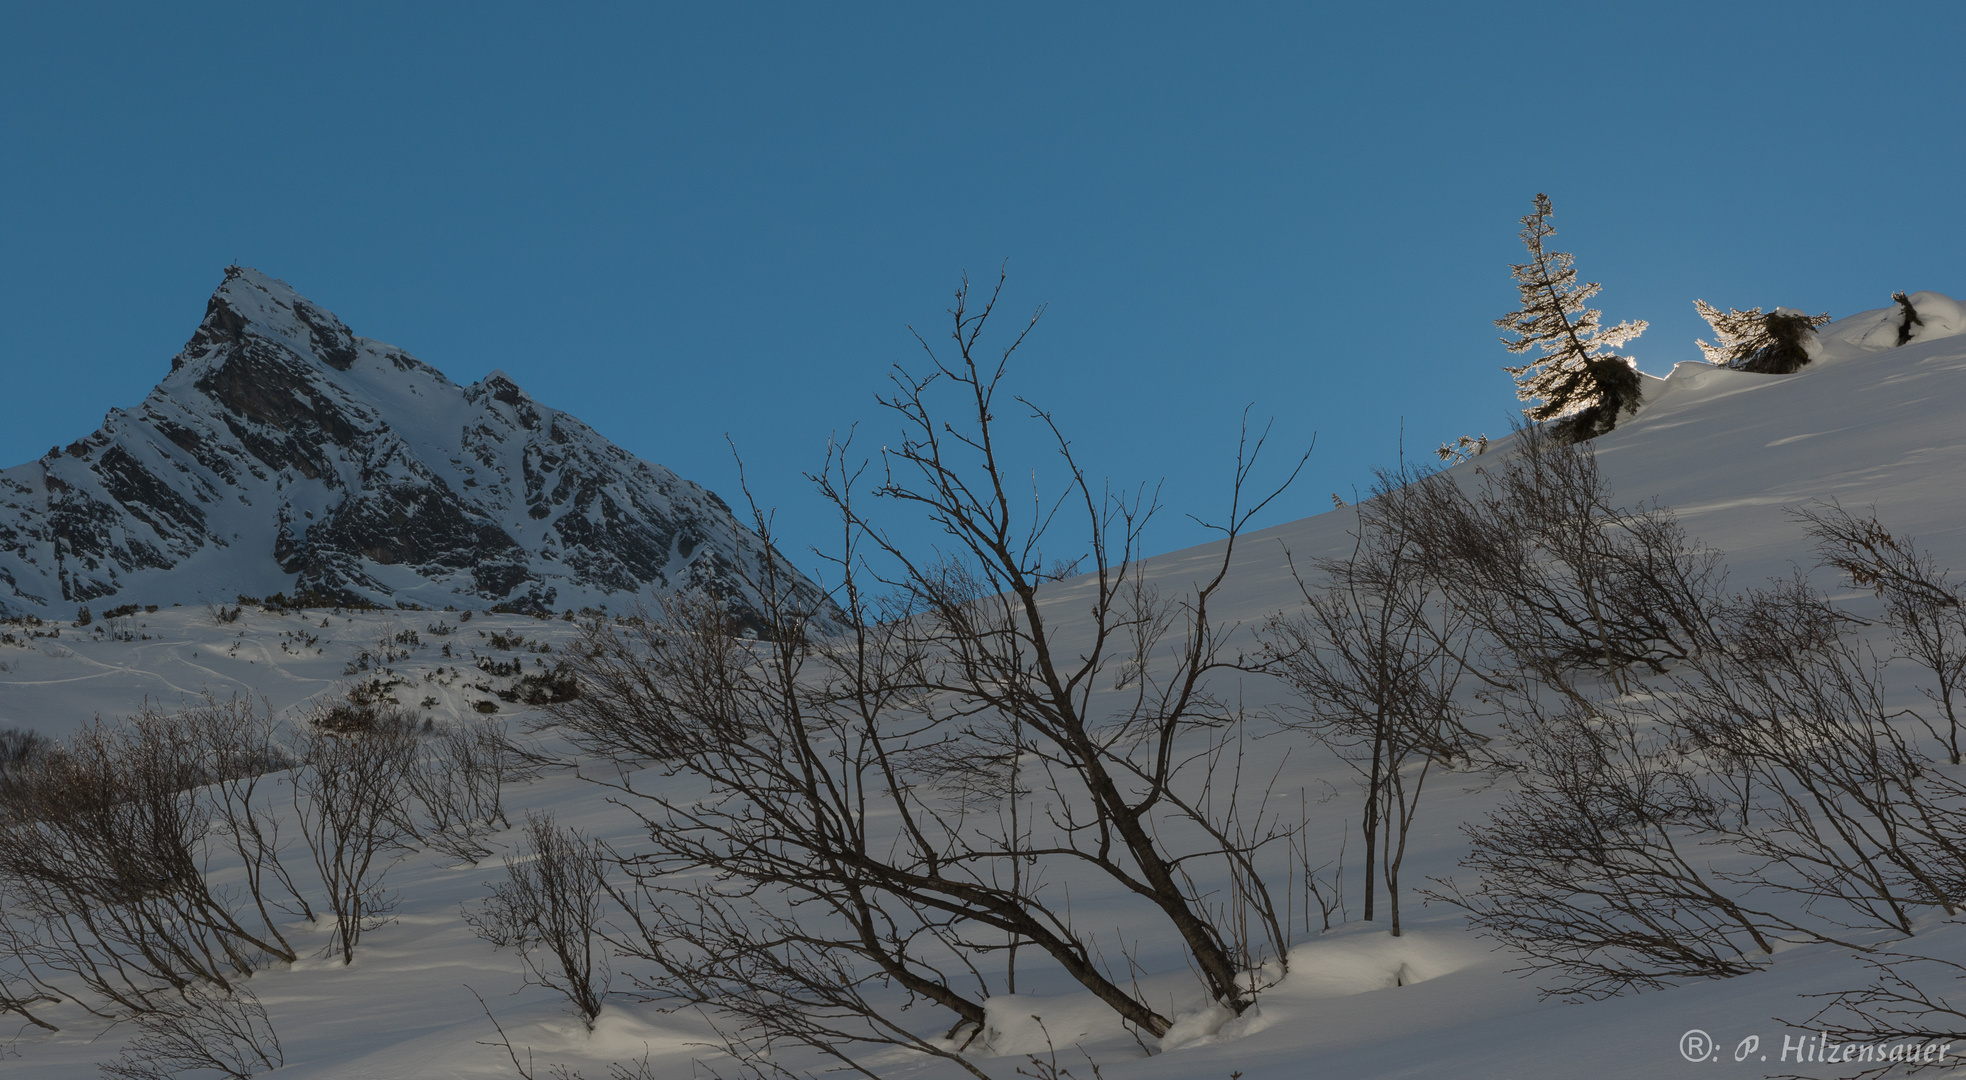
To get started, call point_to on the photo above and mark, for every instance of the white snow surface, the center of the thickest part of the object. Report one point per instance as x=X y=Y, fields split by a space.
x=284 y=453
x=1866 y=423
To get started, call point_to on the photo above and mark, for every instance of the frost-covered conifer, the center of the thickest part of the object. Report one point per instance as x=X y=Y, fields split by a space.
x=1578 y=379
x=1771 y=344
x=1461 y=450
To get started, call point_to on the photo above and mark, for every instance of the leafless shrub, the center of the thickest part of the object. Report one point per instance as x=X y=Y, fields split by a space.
x=103 y=847
x=1751 y=750
x=812 y=897
x=244 y=756
x=768 y=974
x=1923 y=604
x=1376 y=658
x=1322 y=887
x=1895 y=1010
x=348 y=795
x=622 y=710
x=549 y=910
x=1592 y=868
x=458 y=779
x=868 y=801
x=1837 y=805
x=1560 y=578
x=204 y=1030
x=20 y=751
x=1768 y=766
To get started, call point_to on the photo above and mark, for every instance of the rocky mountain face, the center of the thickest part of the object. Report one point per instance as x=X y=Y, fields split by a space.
x=285 y=454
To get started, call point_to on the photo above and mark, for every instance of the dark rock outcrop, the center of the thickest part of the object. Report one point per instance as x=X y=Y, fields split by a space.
x=285 y=454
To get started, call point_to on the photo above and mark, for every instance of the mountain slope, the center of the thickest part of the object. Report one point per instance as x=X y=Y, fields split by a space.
x=1867 y=422
x=284 y=453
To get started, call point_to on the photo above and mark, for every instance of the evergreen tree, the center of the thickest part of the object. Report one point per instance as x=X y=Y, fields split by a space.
x=1908 y=317
x=1577 y=380
x=1770 y=344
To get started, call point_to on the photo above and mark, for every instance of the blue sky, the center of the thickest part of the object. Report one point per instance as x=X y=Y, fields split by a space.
x=681 y=222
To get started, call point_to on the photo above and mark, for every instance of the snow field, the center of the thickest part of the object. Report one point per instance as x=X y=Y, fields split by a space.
x=1731 y=452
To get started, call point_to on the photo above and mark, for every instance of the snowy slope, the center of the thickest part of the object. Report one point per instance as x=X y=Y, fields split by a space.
x=1866 y=423
x=285 y=454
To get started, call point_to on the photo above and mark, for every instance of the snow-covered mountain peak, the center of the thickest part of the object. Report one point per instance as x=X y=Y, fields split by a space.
x=285 y=453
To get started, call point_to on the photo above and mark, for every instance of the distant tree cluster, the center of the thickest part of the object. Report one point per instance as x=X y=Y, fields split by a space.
x=1578 y=384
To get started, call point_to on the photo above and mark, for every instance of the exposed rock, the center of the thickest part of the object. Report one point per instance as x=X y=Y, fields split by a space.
x=285 y=454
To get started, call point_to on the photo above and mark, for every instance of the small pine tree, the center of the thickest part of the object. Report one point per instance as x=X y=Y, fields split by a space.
x=1462 y=449
x=1908 y=317
x=1770 y=344
x=1578 y=379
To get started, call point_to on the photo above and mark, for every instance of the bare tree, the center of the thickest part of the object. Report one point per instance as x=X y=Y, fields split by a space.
x=999 y=663
x=242 y=753
x=348 y=796
x=864 y=796
x=551 y=902
x=1376 y=658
